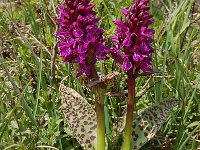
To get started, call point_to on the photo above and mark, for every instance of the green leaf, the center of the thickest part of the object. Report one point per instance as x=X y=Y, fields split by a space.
x=193 y=124
x=80 y=116
x=149 y=122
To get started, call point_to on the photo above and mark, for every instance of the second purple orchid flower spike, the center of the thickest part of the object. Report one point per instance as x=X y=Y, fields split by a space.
x=133 y=38
x=132 y=52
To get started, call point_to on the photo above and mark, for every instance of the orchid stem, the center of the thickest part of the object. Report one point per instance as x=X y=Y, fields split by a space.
x=99 y=106
x=99 y=102
x=130 y=108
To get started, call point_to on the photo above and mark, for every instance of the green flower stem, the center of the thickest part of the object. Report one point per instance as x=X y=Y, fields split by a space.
x=99 y=106
x=99 y=102
x=130 y=108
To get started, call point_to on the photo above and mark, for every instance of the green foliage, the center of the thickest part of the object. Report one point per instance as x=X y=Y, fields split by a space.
x=31 y=71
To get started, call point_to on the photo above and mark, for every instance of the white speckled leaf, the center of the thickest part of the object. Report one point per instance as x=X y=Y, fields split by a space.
x=149 y=122
x=80 y=116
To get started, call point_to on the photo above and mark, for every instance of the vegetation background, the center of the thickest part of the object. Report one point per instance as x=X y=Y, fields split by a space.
x=31 y=71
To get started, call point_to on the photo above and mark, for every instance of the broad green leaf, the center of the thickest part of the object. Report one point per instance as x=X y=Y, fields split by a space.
x=80 y=116
x=149 y=122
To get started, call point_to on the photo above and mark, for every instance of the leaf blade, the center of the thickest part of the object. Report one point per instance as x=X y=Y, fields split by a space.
x=81 y=117
x=149 y=122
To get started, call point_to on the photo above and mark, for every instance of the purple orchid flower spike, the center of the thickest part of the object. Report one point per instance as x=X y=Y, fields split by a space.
x=81 y=40
x=135 y=37
x=132 y=52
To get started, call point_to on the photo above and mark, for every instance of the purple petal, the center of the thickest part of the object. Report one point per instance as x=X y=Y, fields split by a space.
x=136 y=57
x=126 y=65
x=81 y=49
x=125 y=11
x=127 y=41
x=78 y=32
x=90 y=37
x=81 y=8
x=120 y=23
x=145 y=8
x=64 y=53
